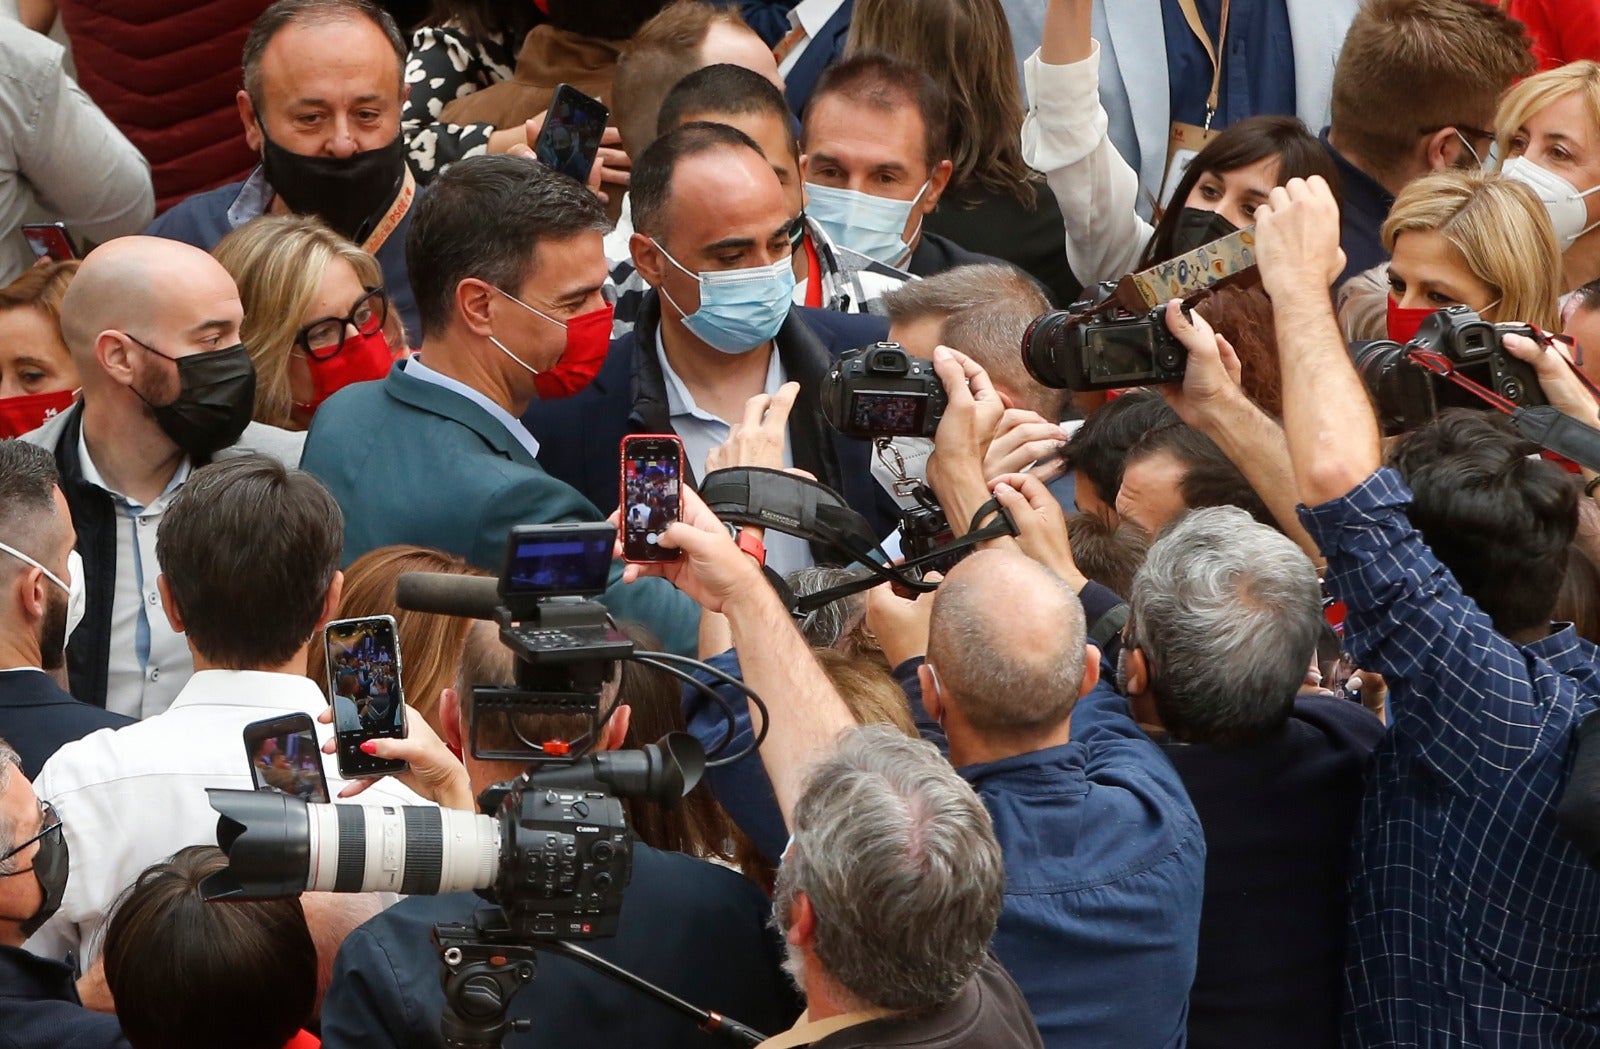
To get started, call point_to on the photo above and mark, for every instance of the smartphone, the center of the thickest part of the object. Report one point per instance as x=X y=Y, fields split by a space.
x=652 y=478
x=558 y=560
x=570 y=138
x=363 y=658
x=49 y=240
x=284 y=756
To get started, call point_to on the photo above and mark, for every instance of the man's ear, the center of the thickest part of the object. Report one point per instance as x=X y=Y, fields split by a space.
x=1091 y=671
x=932 y=701
x=330 y=603
x=112 y=351
x=647 y=259
x=802 y=930
x=454 y=732
x=615 y=731
x=805 y=166
x=473 y=300
x=1443 y=149
x=1137 y=669
x=937 y=183
x=254 y=137
x=168 y=604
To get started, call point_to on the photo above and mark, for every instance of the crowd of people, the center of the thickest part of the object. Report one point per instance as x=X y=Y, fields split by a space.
x=1259 y=712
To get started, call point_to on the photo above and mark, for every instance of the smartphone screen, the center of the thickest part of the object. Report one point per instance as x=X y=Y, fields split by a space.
x=284 y=756
x=652 y=475
x=570 y=138
x=49 y=240
x=364 y=686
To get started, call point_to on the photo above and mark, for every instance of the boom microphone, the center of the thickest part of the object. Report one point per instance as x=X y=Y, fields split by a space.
x=443 y=594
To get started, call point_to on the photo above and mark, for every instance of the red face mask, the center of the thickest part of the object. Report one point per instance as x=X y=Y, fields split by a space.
x=361 y=359
x=588 y=339
x=1404 y=322
x=18 y=415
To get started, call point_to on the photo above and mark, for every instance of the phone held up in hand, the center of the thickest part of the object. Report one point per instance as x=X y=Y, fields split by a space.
x=284 y=756
x=652 y=484
x=363 y=657
x=569 y=141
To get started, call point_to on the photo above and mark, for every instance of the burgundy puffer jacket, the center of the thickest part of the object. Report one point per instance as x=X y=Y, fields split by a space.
x=165 y=72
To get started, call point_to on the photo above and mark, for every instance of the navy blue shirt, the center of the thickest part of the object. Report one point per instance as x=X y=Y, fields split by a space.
x=1363 y=206
x=39 y=1007
x=1257 y=61
x=1474 y=922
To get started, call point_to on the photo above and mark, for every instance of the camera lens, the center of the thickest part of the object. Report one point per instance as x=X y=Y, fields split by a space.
x=1044 y=347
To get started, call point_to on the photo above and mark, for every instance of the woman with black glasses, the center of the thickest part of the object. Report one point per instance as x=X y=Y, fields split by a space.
x=316 y=318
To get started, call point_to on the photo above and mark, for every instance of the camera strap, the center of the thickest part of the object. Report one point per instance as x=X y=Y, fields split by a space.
x=1542 y=424
x=808 y=510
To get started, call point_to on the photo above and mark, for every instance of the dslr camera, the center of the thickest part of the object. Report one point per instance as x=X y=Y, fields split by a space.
x=1407 y=394
x=883 y=391
x=1096 y=344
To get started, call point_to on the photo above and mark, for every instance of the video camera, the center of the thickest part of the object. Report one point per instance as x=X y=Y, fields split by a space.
x=1099 y=344
x=882 y=391
x=1408 y=393
x=551 y=847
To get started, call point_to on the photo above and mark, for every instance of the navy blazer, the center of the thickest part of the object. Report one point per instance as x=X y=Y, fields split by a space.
x=40 y=1008
x=822 y=51
x=580 y=437
x=412 y=462
x=38 y=716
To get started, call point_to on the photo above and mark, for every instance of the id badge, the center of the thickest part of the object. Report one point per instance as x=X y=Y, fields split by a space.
x=1184 y=143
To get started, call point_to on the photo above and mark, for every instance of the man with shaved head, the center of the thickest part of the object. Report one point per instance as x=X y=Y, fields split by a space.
x=1104 y=855
x=321 y=103
x=153 y=326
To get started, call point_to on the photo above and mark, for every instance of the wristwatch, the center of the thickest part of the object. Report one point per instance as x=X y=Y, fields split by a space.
x=747 y=540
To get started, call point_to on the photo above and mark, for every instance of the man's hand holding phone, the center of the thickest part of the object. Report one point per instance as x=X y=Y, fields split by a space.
x=431 y=770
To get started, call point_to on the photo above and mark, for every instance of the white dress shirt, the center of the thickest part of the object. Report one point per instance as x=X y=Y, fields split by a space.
x=807 y=17
x=702 y=433
x=61 y=159
x=134 y=796
x=417 y=370
x=149 y=662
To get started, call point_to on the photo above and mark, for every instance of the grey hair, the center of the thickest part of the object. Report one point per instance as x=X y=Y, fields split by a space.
x=899 y=860
x=1227 y=613
x=825 y=627
x=10 y=762
x=310 y=12
x=1008 y=642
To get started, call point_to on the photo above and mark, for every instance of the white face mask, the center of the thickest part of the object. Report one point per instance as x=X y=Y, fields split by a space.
x=1565 y=203
x=77 y=598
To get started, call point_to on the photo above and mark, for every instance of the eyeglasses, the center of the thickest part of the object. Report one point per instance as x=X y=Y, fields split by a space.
x=323 y=339
x=49 y=823
x=1466 y=129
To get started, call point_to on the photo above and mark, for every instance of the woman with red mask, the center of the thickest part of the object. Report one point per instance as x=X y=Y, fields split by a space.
x=316 y=318
x=1471 y=238
x=37 y=377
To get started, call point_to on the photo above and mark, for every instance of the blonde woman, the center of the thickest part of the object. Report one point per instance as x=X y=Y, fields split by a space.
x=316 y=318
x=1549 y=138
x=1471 y=238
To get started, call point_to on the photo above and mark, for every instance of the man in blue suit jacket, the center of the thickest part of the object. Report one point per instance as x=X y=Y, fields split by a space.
x=717 y=329
x=506 y=259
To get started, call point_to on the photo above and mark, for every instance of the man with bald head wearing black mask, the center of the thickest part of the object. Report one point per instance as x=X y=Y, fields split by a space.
x=153 y=326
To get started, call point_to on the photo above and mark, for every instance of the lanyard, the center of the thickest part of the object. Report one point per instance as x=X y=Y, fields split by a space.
x=1191 y=14
x=402 y=204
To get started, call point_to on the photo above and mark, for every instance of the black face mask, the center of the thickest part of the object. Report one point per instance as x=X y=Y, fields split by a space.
x=350 y=194
x=50 y=868
x=216 y=398
x=1197 y=226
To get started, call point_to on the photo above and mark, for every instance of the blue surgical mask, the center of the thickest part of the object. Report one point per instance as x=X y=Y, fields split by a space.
x=872 y=226
x=739 y=309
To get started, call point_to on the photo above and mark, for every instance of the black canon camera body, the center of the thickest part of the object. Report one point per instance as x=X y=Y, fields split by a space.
x=883 y=391
x=1407 y=395
x=1096 y=344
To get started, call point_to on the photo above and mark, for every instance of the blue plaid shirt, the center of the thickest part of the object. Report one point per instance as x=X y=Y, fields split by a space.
x=1473 y=922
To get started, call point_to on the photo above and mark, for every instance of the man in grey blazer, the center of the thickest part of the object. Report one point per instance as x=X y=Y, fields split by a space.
x=1278 y=57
